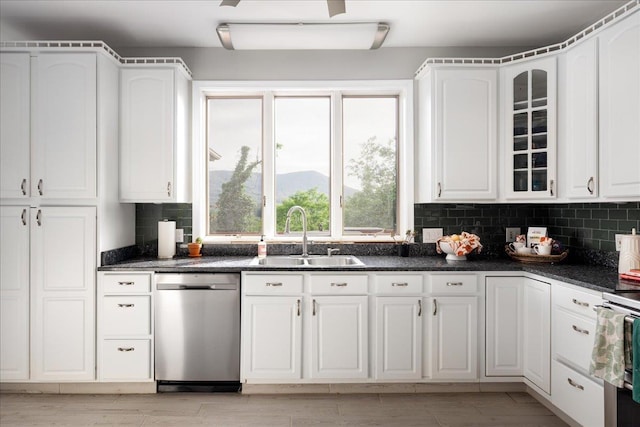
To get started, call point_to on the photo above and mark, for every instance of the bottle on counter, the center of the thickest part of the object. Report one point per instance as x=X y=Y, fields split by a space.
x=262 y=248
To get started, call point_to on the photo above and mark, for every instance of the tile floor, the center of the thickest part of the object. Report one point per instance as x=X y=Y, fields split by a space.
x=184 y=409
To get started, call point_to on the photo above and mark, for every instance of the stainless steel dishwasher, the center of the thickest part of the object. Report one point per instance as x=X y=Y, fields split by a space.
x=197 y=332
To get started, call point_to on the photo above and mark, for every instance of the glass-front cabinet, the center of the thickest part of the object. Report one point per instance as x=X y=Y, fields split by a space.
x=530 y=129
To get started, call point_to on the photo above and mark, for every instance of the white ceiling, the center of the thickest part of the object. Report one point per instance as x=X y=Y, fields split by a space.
x=191 y=23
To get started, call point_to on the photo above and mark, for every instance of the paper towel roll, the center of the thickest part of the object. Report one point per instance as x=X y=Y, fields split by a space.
x=166 y=239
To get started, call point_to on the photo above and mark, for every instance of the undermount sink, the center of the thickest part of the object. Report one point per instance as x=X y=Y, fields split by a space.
x=311 y=261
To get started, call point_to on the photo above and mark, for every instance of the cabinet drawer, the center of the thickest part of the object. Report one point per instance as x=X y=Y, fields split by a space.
x=454 y=283
x=272 y=284
x=126 y=360
x=398 y=284
x=126 y=315
x=574 y=337
x=125 y=283
x=576 y=301
x=579 y=397
x=338 y=284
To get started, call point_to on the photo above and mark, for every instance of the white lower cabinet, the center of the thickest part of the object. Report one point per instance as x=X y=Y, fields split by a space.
x=339 y=337
x=453 y=337
x=271 y=337
x=578 y=396
x=398 y=337
x=125 y=327
x=575 y=392
x=537 y=333
x=504 y=331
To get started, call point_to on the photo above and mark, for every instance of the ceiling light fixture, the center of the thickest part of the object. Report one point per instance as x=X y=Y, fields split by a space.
x=294 y=36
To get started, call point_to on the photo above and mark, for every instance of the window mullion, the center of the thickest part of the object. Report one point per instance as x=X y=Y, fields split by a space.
x=336 y=165
x=268 y=166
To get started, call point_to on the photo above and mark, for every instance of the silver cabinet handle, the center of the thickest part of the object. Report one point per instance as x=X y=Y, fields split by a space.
x=169 y=188
x=590 y=185
x=401 y=285
x=298 y=307
x=23 y=217
x=455 y=284
x=574 y=384
x=435 y=306
x=340 y=285
x=39 y=218
x=313 y=306
x=419 y=307
x=126 y=283
x=274 y=284
x=23 y=187
x=439 y=189
x=40 y=187
x=580 y=303
x=126 y=348
x=551 y=187
x=126 y=305
x=580 y=330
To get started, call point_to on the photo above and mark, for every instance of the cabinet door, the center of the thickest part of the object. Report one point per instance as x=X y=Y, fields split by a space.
x=339 y=337
x=271 y=338
x=530 y=129
x=620 y=108
x=398 y=338
x=454 y=338
x=537 y=333
x=64 y=125
x=14 y=293
x=466 y=134
x=63 y=263
x=14 y=125
x=504 y=326
x=579 y=117
x=147 y=135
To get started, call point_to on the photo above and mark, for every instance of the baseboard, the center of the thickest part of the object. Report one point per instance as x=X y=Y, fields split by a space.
x=381 y=388
x=79 y=388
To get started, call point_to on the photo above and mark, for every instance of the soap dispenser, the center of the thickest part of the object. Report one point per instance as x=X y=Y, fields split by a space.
x=262 y=248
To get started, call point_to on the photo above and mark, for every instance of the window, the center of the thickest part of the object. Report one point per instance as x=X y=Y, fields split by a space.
x=341 y=150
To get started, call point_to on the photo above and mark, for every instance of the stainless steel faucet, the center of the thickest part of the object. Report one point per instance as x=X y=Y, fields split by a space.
x=331 y=251
x=304 y=226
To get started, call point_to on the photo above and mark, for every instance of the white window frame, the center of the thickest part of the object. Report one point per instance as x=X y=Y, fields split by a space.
x=403 y=89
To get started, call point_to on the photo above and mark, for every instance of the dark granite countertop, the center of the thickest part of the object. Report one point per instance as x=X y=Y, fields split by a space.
x=587 y=276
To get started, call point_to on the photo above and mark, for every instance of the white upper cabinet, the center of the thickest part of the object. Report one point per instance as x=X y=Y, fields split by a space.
x=15 y=165
x=48 y=118
x=619 y=97
x=578 y=120
x=529 y=99
x=154 y=143
x=458 y=134
x=63 y=125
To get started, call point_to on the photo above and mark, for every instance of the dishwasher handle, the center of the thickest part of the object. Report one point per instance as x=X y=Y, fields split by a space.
x=187 y=287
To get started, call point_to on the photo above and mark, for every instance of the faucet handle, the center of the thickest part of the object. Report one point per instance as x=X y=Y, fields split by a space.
x=331 y=251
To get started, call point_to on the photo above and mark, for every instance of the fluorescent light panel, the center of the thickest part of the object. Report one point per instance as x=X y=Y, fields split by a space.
x=367 y=35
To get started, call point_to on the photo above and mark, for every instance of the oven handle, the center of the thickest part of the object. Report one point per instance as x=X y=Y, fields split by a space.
x=620 y=309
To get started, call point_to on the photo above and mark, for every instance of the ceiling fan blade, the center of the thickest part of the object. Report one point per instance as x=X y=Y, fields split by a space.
x=336 y=7
x=232 y=3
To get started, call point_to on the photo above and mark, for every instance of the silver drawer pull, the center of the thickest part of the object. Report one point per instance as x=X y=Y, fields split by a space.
x=341 y=285
x=582 y=331
x=23 y=187
x=580 y=303
x=40 y=192
x=126 y=283
x=126 y=305
x=402 y=284
x=455 y=283
x=274 y=284
x=576 y=385
x=126 y=348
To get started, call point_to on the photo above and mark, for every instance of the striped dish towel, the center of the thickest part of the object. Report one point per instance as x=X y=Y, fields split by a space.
x=607 y=358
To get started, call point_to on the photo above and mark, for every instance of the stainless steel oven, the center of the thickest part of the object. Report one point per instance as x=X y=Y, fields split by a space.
x=619 y=408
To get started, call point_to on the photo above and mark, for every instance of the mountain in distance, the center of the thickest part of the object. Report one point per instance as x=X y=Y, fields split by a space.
x=287 y=184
